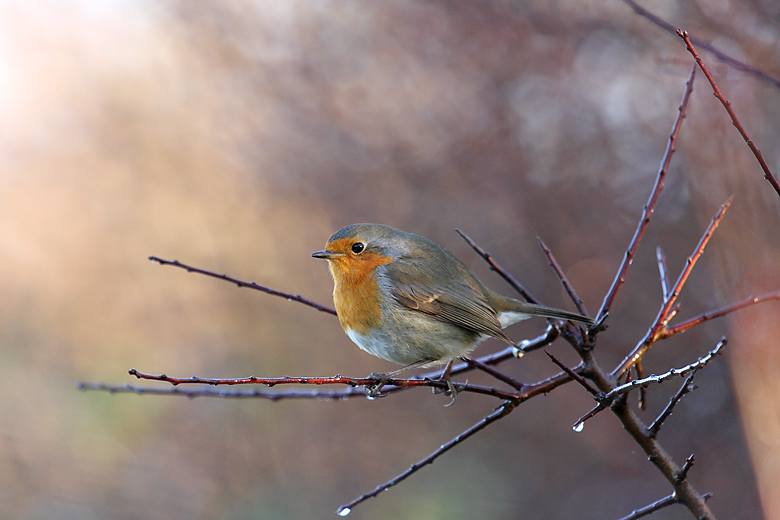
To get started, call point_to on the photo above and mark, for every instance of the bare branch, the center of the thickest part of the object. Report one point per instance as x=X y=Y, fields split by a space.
x=722 y=56
x=664 y=315
x=240 y=283
x=686 y=387
x=334 y=380
x=727 y=105
x=574 y=375
x=683 y=473
x=562 y=277
x=511 y=280
x=674 y=372
x=501 y=412
x=717 y=313
x=495 y=373
x=644 y=220
x=232 y=393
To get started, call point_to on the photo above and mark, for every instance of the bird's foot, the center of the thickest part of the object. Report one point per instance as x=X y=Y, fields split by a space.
x=373 y=390
x=450 y=389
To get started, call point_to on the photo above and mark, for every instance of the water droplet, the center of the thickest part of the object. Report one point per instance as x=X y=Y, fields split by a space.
x=343 y=511
x=578 y=427
x=370 y=398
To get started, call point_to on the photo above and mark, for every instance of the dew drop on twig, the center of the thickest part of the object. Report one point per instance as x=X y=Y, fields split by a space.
x=343 y=511
x=578 y=427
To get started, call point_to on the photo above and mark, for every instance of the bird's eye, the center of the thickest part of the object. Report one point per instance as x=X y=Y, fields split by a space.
x=358 y=247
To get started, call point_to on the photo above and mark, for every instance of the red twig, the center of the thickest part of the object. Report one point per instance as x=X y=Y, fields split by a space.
x=727 y=105
x=664 y=314
x=252 y=285
x=644 y=220
x=717 y=313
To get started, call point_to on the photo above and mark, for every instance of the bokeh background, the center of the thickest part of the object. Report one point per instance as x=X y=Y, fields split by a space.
x=237 y=136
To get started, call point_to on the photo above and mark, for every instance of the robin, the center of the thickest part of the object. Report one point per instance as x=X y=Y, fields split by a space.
x=406 y=299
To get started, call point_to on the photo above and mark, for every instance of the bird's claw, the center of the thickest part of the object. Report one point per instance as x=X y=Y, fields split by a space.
x=374 y=390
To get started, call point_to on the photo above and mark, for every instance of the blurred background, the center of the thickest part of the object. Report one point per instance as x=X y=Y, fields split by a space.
x=237 y=136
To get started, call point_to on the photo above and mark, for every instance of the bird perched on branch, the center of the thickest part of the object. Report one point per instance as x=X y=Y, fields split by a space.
x=406 y=299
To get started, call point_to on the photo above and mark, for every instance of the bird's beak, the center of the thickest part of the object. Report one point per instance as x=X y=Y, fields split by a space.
x=326 y=254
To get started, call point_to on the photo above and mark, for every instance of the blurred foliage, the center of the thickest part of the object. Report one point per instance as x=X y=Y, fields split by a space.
x=237 y=136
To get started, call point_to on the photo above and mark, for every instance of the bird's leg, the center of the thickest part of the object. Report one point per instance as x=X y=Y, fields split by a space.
x=373 y=390
x=451 y=388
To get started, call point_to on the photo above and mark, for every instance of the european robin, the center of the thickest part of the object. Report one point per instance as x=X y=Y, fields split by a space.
x=406 y=299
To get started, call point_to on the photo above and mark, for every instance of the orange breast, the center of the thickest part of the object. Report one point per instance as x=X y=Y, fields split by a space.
x=356 y=291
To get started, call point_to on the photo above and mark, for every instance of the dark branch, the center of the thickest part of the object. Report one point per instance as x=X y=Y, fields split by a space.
x=562 y=277
x=511 y=280
x=644 y=220
x=686 y=387
x=241 y=283
x=501 y=412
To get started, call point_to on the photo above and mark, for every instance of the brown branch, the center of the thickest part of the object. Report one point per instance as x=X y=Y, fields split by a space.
x=501 y=412
x=717 y=313
x=334 y=380
x=727 y=105
x=722 y=56
x=562 y=277
x=240 y=283
x=511 y=280
x=644 y=220
x=664 y=314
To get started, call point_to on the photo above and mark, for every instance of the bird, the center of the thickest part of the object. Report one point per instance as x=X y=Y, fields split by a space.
x=408 y=300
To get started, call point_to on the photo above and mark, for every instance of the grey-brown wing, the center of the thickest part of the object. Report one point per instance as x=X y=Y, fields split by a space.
x=459 y=304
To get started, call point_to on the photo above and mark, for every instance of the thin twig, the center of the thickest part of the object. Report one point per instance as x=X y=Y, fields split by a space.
x=514 y=383
x=228 y=393
x=574 y=375
x=717 y=313
x=686 y=387
x=664 y=313
x=674 y=372
x=727 y=105
x=501 y=412
x=241 y=283
x=722 y=56
x=498 y=269
x=644 y=220
x=683 y=473
x=662 y=272
x=652 y=508
x=562 y=277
